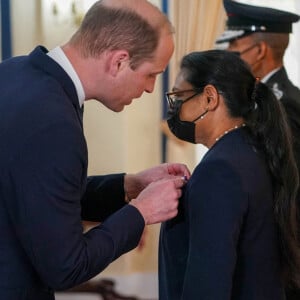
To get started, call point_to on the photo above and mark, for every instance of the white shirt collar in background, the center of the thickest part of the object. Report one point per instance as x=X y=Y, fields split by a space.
x=266 y=78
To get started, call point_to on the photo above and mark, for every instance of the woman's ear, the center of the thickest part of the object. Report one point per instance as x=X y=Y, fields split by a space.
x=212 y=96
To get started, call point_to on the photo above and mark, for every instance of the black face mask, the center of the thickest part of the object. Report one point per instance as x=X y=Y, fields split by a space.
x=184 y=130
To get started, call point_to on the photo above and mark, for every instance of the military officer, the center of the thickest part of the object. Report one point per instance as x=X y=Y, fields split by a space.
x=260 y=35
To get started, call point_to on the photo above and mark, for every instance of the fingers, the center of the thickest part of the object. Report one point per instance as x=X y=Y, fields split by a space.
x=179 y=181
x=178 y=169
x=159 y=201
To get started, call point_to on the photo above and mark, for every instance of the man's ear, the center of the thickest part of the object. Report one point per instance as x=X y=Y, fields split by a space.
x=262 y=50
x=117 y=61
x=211 y=96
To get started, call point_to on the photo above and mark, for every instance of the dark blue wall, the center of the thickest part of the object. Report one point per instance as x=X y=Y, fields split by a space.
x=5 y=30
x=165 y=88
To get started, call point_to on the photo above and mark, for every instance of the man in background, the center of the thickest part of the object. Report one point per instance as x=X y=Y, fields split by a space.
x=260 y=35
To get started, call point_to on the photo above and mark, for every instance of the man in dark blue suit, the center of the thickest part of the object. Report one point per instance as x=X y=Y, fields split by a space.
x=44 y=189
x=260 y=35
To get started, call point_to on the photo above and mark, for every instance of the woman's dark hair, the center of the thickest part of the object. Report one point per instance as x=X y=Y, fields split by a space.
x=265 y=118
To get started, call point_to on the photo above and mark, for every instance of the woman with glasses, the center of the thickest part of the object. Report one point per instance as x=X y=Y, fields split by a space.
x=235 y=234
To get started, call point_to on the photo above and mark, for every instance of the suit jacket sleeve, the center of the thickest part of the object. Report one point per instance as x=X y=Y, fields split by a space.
x=45 y=184
x=215 y=215
x=104 y=195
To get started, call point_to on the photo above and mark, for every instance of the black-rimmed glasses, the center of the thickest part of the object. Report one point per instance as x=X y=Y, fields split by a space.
x=172 y=97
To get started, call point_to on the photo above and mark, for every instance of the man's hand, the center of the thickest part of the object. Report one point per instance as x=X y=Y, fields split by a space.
x=158 y=202
x=135 y=183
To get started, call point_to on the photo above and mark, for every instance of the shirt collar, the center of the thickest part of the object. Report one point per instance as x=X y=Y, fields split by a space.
x=268 y=76
x=59 y=56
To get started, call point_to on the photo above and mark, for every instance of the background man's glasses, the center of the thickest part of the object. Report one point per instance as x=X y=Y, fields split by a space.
x=240 y=53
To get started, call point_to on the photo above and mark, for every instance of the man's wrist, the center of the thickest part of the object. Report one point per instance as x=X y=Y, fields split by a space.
x=127 y=199
x=127 y=187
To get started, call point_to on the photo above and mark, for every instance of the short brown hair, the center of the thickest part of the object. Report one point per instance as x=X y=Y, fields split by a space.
x=115 y=28
x=278 y=42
